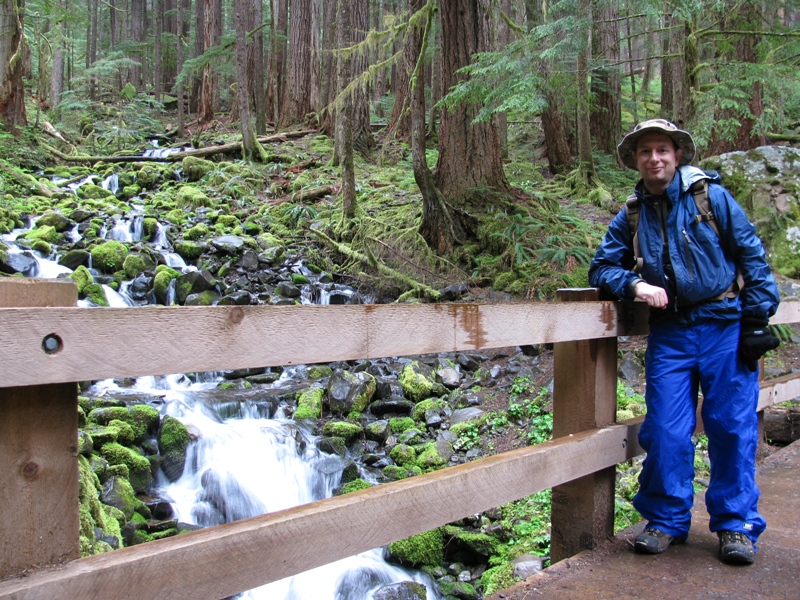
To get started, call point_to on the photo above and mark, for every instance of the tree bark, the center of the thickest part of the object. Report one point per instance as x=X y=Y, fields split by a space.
x=399 y=121
x=181 y=16
x=297 y=100
x=606 y=115
x=585 y=160
x=328 y=69
x=667 y=69
x=344 y=116
x=470 y=158
x=199 y=48
x=276 y=88
x=12 y=60
x=255 y=64
x=241 y=19
x=158 y=71
x=556 y=135
x=208 y=90
x=137 y=36
x=363 y=141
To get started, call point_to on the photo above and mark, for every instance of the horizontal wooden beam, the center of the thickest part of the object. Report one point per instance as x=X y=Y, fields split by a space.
x=779 y=389
x=53 y=345
x=788 y=312
x=225 y=560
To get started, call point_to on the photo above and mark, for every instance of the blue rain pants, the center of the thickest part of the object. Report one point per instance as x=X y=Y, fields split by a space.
x=679 y=359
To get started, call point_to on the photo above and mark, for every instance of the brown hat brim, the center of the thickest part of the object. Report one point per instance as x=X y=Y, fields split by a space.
x=627 y=147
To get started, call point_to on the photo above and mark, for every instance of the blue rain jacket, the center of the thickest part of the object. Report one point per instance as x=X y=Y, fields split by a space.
x=704 y=265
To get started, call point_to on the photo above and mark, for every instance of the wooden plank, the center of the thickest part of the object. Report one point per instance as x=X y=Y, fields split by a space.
x=584 y=397
x=38 y=454
x=788 y=312
x=779 y=389
x=99 y=343
x=228 y=559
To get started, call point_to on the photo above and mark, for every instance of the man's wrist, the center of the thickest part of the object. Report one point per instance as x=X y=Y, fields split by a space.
x=633 y=285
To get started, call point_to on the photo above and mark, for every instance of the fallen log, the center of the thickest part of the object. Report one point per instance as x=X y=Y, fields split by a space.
x=313 y=194
x=783 y=137
x=178 y=156
x=429 y=292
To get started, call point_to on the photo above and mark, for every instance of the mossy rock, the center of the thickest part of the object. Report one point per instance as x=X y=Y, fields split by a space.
x=189 y=251
x=55 y=220
x=354 y=486
x=344 y=429
x=109 y=257
x=125 y=434
x=309 y=404
x=45 y=233
x=197 y=232
x=426 y=548
x=403 y=454
x=191 y=195
x=401 y=424
x=150 y=228
x=172 y=442
x=95 y=293
x=92 y=513
x=164 y=275
x=417 y=381
x=42 y=247
x=82 y=278
x=136 y=263
x=196 y=168
x=425 y=405
x=319 y=371
x=90 y=191
x=435 y=456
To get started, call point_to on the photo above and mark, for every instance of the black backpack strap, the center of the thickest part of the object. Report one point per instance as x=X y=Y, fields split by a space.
x=699 y=191
x=632 y=206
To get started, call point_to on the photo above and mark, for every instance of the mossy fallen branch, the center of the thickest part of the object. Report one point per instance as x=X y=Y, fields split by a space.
x=428 y=292
x=29 y=182
x=314 y=193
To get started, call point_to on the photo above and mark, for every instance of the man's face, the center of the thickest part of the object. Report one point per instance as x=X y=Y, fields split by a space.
x=656 y=160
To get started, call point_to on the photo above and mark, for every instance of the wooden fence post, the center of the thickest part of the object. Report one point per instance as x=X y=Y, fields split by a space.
x=39 y=522
x=584 y=397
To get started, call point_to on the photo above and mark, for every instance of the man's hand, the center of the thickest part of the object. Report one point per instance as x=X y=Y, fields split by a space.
x=653 y=295
x=755 y=340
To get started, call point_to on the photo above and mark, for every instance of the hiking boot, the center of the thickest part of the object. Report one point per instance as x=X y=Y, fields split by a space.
x=655 y=541
x=735 y=548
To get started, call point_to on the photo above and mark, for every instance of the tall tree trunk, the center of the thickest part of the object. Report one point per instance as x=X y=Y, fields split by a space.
x=158 y=72
x=241 y=10
x=606 y=115
x=363 y=140
x=199 y=48
x=438 y=227
x=12 y=60
x=470 y=166
x=585 y=160
x=328 y=78
x=137 y=37
x=181 y=19
x=680 y=83
x=278 y=65
x=470 y=157
x=57 y=73
x=255 y=64
x=745 y=16
x=297 y=100
x=667 y=69
x=208 y=90
x=344 y=116
x=556 y=135
x=437 y=91
x=399 y=122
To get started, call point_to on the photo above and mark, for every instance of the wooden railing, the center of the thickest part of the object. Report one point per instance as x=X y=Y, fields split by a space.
x=46 y=342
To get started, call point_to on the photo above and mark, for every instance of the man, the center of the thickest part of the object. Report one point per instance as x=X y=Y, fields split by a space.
x=704 y=333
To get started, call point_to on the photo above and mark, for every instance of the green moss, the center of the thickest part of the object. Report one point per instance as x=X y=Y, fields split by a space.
x=430 y=458
x=164 y=275
x=189 y=250
x=319 y=371
x=109 y=257
x=135 y=264
x=309 y=404
x=354 y=486
x=82 y=278
x=394 y=472
x=416 y=385
x=322 y=144
x=96 y=294
x=403 y=454
x=196 y=168
x=125 y=434
x=47 y=233
x=92 y=513
x=298 y=279
x=344 y=429
x=197 y=232
x=426 y=548
x=226 y=221
x=174 y=436
x=117 y=454
x=42 y=247
x=401 y=424
x=150 y=228
x=425 y=405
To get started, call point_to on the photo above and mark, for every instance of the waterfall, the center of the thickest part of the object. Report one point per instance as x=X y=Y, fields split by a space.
x=246 y=465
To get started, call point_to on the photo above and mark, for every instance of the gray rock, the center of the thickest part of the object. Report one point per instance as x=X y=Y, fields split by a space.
x=231 y=244
x=405 y=590
x=526 y=565
x=465 y=414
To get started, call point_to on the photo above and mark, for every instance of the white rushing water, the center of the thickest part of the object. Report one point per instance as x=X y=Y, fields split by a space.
x=247 y=465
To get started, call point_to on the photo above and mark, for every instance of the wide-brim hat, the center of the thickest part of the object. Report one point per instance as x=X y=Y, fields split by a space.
x=683 y=140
